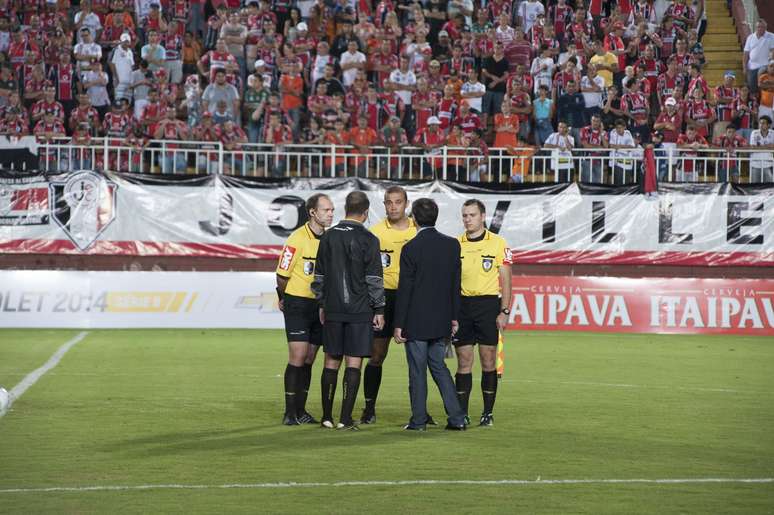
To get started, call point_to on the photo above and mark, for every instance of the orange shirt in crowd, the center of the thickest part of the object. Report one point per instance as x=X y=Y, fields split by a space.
x=767 y=96
x=504 y=138
x=292 y=88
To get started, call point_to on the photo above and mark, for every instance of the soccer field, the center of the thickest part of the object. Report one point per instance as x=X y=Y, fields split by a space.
x=152 y=421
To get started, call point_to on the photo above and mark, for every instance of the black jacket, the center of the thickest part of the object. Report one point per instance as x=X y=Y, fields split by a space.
x=429 y=286
x=348 y=279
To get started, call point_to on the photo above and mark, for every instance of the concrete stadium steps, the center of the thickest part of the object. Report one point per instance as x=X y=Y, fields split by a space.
x=721 y=44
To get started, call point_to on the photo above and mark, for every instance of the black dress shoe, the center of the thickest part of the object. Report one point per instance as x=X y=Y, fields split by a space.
x=452 y=427
x=409 y=427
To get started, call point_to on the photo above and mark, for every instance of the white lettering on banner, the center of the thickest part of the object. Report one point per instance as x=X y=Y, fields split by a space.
x=733 y=312
x=575 y=310
x=643 y=305
x=678 y=228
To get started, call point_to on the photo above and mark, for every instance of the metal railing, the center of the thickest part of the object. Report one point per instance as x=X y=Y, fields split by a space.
x=597 y=165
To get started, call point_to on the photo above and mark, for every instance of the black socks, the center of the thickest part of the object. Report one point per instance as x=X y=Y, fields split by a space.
x=464 y=384
x=489 y=389
x=292 y=376
x=351 y=385
x=305 y=379
x=328 y=387
x=372 y=379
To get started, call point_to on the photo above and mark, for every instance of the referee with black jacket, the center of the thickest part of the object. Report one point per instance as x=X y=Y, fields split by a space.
x=349 y=287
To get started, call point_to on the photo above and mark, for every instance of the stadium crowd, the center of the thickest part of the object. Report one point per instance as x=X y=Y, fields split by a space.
x=552 y=74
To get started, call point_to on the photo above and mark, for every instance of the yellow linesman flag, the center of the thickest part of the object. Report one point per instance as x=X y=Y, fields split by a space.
x=500 y=355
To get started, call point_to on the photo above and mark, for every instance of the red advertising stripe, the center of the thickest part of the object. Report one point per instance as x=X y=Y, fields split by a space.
x=225 y=250
x=593 y=257
x=623 y=305
x=143 y=248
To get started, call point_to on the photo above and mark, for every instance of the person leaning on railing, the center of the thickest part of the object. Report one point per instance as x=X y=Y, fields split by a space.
x=561 y=144
x=170 y=128
x=728 y=164
x=232 y=137
x=689 y=143
x=623 y=145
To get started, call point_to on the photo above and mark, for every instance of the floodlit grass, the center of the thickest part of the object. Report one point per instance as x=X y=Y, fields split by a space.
x=189 y=407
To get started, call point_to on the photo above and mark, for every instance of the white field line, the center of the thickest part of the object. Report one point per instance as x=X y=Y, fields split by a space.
x=641 y=386
x=32 y=378
x=417 y=482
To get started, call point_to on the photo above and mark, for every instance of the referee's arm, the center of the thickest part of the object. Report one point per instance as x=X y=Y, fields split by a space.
x=506 y=291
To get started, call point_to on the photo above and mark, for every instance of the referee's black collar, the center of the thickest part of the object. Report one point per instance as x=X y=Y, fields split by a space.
x=478 y=238
x=314 y=234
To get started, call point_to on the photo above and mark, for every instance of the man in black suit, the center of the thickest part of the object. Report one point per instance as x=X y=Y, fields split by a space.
x=426 y=313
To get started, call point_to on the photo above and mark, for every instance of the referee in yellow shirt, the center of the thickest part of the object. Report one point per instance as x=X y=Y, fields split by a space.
x=486 y=298
x=295 y=272
x=393 y=232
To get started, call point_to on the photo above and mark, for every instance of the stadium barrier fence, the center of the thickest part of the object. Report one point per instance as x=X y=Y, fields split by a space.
x=524 y=164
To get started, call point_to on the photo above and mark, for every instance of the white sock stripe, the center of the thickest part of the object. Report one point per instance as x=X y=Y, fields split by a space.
x=32 y=378
x=417 y=482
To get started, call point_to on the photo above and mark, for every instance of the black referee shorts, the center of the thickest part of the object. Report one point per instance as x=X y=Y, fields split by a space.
x=302 y=320
x=389 y=315
x=348 y=338
x=478 y=321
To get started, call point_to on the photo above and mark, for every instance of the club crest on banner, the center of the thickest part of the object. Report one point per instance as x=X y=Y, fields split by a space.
x=487 y=263
x=83 y=205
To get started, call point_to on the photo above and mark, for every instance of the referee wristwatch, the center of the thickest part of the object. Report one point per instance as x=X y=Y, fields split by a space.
x=505 y=311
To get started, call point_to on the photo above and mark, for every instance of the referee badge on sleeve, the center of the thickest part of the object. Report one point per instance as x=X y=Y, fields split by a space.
x=487 y=263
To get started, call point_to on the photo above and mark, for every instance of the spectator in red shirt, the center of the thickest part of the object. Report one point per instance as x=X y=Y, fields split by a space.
x=48 y=102
x=690 y=143
x=699 y=113
x=14 y=123
x=80 y=154
x=278 y=134
x=728 y=167
x=431 y=138
x=171 y=129
x=48 y=131
x=467 y=120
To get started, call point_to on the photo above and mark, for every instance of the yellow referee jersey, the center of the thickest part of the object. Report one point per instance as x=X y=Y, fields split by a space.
x=391 y=241
x=481 y=260
x=296 y=262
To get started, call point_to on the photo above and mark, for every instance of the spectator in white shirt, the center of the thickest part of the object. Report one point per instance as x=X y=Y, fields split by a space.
x=350 y=62
x=757 y=53
x=593 y=87
x=122 y=67
x=561 y=143
x=620 y=140
x=528 y=13
x=472 y=91
x=403 y=81
x=95 y=83
x=87 y=51
x=86 y=18
x=762 y=163
x=542 y=69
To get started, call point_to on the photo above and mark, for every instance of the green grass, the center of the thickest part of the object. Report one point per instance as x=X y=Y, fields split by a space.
x=203 y=407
